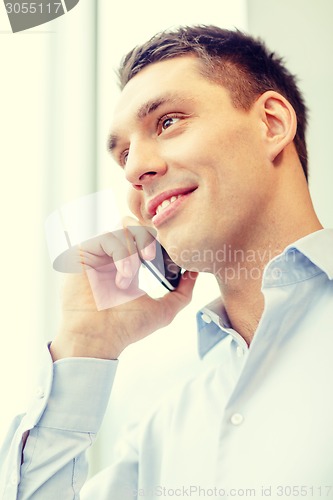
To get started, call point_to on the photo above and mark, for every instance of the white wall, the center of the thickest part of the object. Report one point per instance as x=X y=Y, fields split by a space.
x=23 y=155
x=47 y=157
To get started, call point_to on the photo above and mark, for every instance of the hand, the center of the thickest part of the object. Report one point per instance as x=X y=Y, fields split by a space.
x=104 y=309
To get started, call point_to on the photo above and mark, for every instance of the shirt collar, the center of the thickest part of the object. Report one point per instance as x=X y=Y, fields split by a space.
x=318 y=248
x=301 y=260
x=210 y=319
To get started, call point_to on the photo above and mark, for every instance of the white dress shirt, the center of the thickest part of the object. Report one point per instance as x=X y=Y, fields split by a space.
x=258 y=424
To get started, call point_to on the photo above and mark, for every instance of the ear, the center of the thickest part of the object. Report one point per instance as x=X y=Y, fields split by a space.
x=279 y=122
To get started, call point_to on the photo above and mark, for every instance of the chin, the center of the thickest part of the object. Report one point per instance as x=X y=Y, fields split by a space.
x=189 y=257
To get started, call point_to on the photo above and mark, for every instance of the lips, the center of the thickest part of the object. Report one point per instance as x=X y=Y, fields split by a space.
x=163 y=200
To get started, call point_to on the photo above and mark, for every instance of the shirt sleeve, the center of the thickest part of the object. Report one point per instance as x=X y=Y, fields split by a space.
x=62 y=422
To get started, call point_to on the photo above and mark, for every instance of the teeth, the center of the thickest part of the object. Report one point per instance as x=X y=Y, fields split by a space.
x=166 y=203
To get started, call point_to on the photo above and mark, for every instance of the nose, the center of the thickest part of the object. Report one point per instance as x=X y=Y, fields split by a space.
x=144 y=163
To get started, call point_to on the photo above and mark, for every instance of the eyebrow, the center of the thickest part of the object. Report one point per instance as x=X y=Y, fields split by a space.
x=145 y=110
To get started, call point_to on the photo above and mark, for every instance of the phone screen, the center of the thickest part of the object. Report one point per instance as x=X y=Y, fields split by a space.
x=165 y=270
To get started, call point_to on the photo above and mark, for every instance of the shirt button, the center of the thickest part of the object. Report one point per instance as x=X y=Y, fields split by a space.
x=276 y=273
x=206 y=318
x=40 y=392
x=239 y=351
x=236 y=419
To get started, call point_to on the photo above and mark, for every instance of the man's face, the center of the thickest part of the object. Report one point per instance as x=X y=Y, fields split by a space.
x=196 y=164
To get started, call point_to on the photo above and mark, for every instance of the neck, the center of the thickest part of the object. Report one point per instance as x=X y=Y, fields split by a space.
x=240 y=279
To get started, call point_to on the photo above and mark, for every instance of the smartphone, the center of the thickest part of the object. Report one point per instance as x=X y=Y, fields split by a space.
x=165 y=270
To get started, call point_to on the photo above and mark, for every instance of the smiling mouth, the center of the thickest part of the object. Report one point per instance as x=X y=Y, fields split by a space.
x=168 y=207
x=166 y=203
x=162 y=201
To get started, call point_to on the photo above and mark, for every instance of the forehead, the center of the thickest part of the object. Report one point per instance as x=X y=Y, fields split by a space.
x=170 y=79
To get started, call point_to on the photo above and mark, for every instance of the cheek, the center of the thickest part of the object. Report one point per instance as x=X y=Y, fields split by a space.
x=134 y=201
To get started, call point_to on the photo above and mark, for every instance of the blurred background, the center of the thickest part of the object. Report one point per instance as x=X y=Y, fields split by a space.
x=58 y=89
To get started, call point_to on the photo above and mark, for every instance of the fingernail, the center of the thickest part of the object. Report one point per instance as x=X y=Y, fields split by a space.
x=149 y=251
x=125 y=268
x=123 y=282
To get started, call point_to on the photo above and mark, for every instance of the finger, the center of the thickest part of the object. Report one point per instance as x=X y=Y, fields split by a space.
x=186 y=285
x=145 y=237
x=129 y=239
x=122 y=281
x=90 y=261
x=175 y=301
x=149 y=251
x=107 y=293
x=99 y=246
x=110 y=252
x=121 y=248
x=124 y=267
x=118 y=249
x=128 y=269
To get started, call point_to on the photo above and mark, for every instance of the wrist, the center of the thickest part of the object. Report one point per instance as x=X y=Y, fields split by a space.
x=69 y=345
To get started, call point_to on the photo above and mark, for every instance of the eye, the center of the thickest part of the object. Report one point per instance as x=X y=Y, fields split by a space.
x=166 y=122
x=123 y=157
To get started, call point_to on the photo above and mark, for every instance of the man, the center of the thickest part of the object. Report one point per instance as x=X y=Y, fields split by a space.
x=210 y=133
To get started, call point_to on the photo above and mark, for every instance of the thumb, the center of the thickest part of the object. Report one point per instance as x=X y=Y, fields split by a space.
x=174 y=302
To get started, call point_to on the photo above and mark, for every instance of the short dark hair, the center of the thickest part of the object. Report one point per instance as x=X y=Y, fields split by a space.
x=239 y=62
